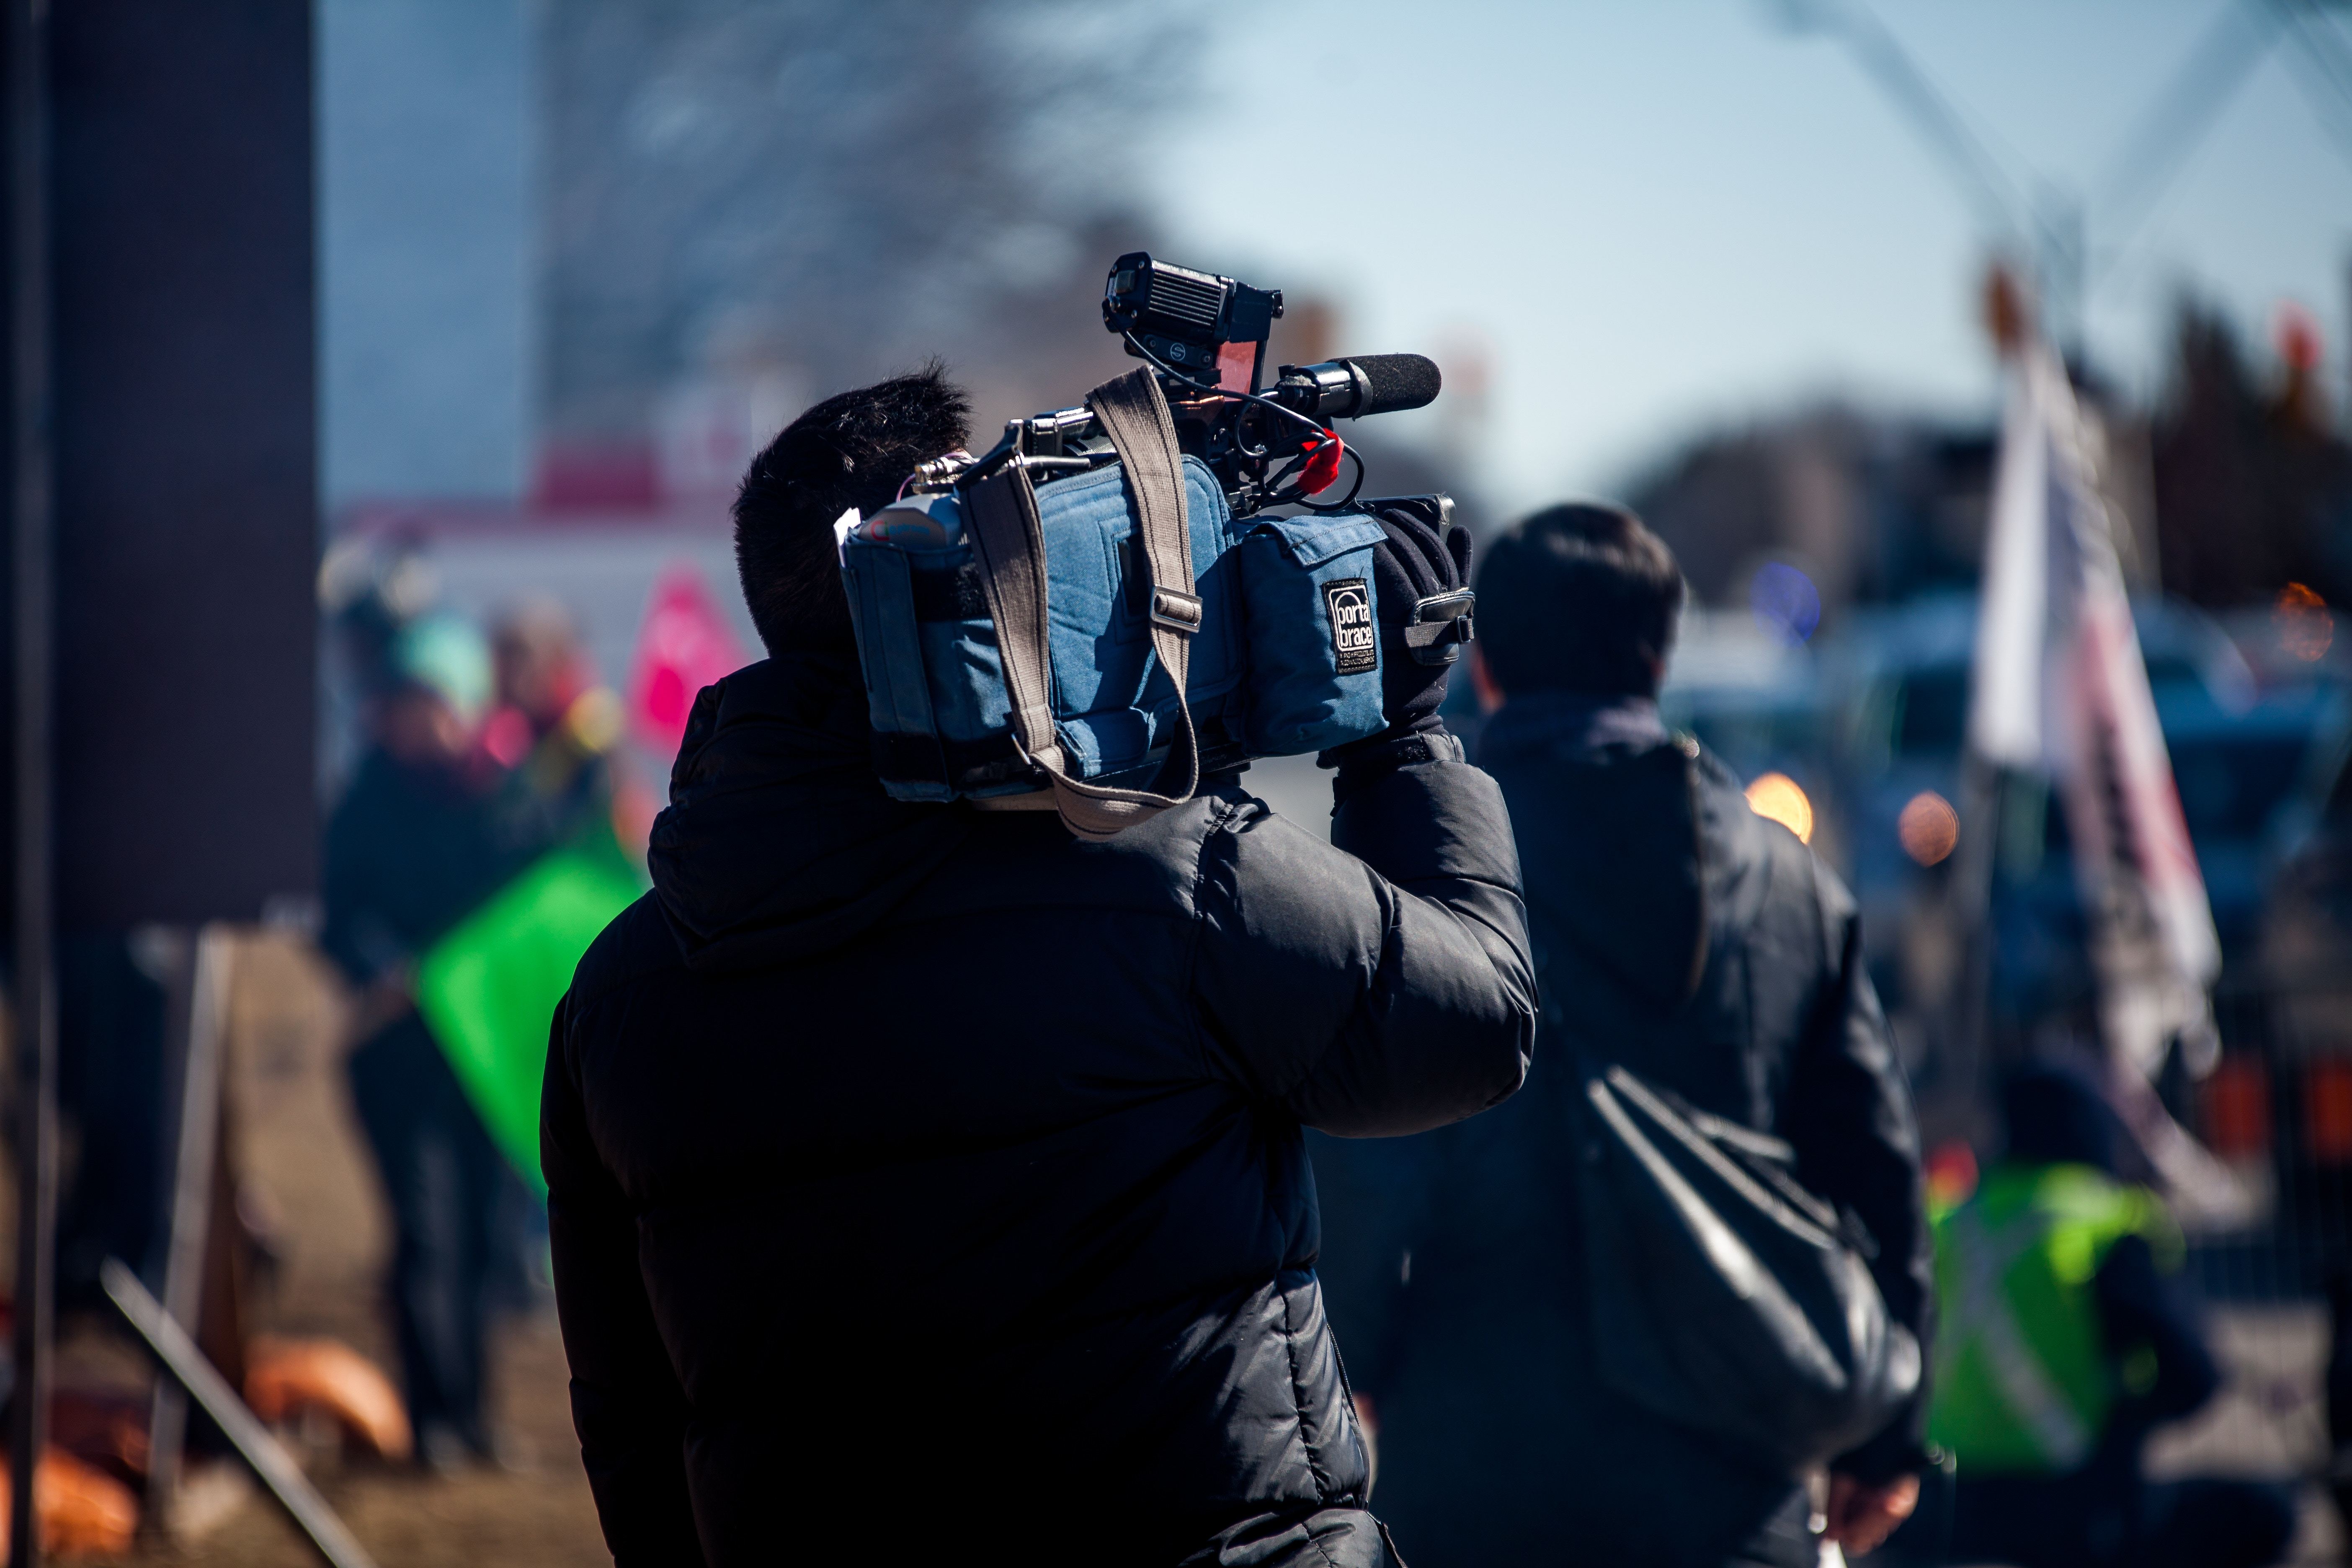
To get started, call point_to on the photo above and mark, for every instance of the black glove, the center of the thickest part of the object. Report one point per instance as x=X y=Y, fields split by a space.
x=1416 y=572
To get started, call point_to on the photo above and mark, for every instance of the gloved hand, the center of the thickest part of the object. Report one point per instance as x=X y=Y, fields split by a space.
x=1416 y=562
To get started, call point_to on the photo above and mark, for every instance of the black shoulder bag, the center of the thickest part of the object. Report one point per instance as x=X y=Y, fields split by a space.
x=1724 y=1296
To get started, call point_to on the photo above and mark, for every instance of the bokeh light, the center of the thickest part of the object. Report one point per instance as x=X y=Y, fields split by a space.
x=1786 y=605
x=1777 y=796
x=1951 y=1175
x=2306 y=627
x=1928 y=827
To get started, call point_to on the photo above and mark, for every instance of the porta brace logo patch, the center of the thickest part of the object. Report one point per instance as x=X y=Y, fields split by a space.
x=1355 y=642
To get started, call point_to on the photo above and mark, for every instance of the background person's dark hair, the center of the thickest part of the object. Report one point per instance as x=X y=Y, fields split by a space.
x=852 y=449
x=2056 y=1114
x=1580 y=597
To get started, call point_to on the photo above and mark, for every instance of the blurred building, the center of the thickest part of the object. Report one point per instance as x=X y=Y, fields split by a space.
x=584 y=254
x=428 y=244
x=1874 y=506
x=2253 y=481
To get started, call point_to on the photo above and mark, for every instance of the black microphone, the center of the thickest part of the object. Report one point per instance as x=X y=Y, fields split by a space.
x=1352 y=388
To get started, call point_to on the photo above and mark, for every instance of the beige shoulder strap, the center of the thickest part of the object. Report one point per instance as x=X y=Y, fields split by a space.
x=1008 y=548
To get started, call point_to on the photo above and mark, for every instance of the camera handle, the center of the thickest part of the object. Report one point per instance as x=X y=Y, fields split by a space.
x=1010 y=552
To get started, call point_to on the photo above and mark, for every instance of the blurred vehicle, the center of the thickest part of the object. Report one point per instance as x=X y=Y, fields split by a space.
x=2236 y=766
x=2278 y=1106
x=1759 y=704
x=1900 y=680
x=2305 y=950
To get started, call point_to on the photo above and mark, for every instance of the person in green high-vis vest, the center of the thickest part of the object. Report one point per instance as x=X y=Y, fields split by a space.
x=2065 y=1336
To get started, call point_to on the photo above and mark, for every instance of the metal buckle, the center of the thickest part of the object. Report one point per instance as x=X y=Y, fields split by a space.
x=1177 y=612
x=1440 y=625
x=1444 y=606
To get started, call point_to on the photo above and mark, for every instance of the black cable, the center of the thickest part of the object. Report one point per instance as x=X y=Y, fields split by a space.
x=1216 y=391
x=1323 y=433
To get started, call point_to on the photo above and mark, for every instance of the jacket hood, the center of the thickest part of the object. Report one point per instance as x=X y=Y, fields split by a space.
x=779 y=843
x=1606 y=806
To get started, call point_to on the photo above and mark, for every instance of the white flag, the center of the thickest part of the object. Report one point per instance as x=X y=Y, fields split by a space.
x=2060 y=688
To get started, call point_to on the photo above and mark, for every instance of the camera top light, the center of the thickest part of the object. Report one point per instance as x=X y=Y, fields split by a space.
x=1187 y=318
x=1148 y=296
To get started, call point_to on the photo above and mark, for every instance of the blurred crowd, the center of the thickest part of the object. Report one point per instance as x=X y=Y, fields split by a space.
x=484 y=752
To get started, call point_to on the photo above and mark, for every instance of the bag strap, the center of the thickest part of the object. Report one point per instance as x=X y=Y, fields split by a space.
x=1010 y=550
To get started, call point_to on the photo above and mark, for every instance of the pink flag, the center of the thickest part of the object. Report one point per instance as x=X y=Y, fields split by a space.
x=684 y=646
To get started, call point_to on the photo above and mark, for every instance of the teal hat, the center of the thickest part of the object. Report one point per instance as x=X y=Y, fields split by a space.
x=447 y=655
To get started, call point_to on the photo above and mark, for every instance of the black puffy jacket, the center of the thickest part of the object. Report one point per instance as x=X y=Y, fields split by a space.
x=926 y=1184
x=1708 y=950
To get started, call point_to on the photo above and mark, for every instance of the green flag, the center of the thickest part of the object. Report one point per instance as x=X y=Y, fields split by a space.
x=488 y=989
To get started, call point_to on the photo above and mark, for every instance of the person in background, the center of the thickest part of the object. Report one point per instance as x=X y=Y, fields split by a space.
x=553 y=725
x=1708 y=947
x=413 y=846
x=2069 y=1336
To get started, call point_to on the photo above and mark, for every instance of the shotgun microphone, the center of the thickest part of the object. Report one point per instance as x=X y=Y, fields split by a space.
x=1356 y=386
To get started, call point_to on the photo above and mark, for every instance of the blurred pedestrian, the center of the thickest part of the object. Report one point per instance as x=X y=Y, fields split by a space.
x=2069 y=1336
x=1705 y=948
x=412 y=848
x=553 y=724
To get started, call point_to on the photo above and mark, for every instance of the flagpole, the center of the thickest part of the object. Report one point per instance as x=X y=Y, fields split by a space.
x=2003 y=723
x=1967 y=1058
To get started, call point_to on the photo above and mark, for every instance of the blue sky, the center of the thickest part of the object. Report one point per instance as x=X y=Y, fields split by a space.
x=1666 y=214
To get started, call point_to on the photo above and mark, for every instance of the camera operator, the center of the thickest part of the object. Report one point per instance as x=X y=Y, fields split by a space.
x=925 y=1182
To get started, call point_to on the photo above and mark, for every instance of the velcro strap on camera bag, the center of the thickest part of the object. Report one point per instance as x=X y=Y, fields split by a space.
x=1008 y=548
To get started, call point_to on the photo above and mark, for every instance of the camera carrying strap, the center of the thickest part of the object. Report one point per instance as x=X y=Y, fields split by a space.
x=1010 y=550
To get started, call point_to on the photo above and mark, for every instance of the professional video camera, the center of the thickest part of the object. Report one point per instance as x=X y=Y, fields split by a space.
x=1206 y=337
x=1121 y=595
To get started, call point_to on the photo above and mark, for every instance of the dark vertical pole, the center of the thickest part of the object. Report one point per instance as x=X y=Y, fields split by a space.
x=34 y=1034
x=1967 y=1067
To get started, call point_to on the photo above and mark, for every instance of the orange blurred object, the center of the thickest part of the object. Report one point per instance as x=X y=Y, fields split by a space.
x=285 y=1378
x=2008 y=310
x=2298 y=338
x=83 y=1510
x=1928 y=827
x=104 y=1428
x=2306 y=627
x=1951 y=1174
x=2327 y=1111
x=1777 y=796
x=2301 y=405
x=634 y=810
x=2235 y=1101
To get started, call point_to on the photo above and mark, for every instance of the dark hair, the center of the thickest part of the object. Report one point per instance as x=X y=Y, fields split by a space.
x=850 y=450
x=2057 y=1114
x=1579 y=597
